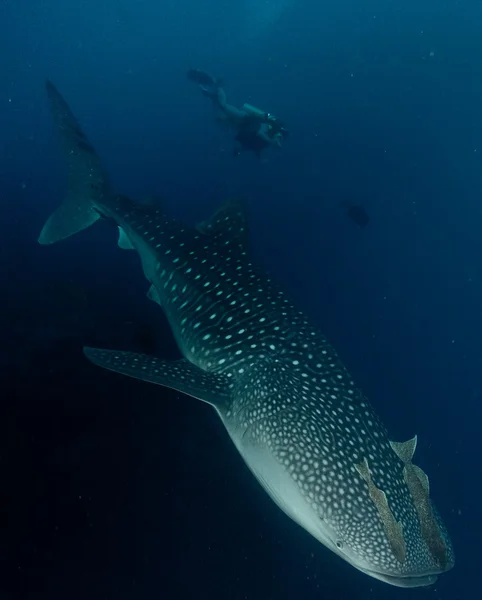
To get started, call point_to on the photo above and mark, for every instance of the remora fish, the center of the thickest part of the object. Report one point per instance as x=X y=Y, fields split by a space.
x=288 y=403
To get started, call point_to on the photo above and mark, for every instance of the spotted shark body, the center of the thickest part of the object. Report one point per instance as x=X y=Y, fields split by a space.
x=289 y=405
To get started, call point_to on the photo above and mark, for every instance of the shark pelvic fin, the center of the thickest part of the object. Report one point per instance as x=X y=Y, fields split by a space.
x=227 y=223
x=124 y=242
x=87 y=181
x=178 y=375
x=153 y=295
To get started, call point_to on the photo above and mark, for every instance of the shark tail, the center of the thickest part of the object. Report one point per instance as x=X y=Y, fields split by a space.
x=87 y=180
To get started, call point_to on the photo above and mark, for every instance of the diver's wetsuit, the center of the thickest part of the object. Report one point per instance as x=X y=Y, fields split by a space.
x=252 y=135
x=253 y=132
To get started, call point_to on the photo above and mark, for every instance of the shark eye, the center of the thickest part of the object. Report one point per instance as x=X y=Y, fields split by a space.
x=339 y=544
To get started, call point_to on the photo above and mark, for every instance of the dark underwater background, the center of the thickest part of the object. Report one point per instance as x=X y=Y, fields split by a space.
x=112 y=488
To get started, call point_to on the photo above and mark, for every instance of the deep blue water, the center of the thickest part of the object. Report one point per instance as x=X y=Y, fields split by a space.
x=116 y=489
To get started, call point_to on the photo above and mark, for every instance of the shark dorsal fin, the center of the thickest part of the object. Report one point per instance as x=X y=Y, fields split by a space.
x=228 y=222
x=364 y=470
x=423 y=478
x=405 y=450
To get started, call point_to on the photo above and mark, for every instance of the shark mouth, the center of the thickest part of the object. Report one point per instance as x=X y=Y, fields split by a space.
x=404 y=581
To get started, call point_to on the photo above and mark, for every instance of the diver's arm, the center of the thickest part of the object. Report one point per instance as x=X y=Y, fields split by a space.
x=269 y=139
x=264 y=136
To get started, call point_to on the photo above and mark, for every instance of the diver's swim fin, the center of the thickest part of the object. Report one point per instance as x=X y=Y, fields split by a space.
x=202 y=78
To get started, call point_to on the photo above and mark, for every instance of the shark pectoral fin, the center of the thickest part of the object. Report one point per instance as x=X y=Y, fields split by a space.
x=178 y=375
x=153 y=295
x=124 y=242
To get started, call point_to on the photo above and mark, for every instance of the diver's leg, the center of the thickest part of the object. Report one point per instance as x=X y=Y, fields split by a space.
x=218 y=97
x=212 y=89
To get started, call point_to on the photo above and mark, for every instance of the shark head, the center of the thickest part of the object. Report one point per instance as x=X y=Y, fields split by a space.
x=325 y=459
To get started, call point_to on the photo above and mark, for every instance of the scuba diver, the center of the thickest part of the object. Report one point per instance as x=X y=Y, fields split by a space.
x=255 y=129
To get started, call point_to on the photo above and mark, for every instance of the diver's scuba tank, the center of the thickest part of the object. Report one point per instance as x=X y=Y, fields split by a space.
x=252 y=111
x=275 y=128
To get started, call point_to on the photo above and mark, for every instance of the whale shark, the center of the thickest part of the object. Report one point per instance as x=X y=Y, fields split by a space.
x=288 y=403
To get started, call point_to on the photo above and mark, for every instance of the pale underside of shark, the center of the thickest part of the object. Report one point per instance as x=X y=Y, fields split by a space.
x=289 y=405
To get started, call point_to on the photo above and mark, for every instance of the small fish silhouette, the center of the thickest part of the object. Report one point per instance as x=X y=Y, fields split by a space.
x=357 y=214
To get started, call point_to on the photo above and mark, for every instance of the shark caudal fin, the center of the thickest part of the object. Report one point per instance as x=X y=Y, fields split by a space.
x=87 y=180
